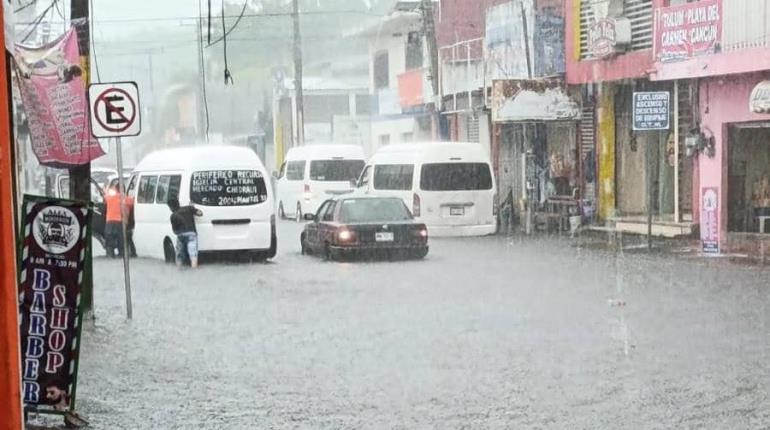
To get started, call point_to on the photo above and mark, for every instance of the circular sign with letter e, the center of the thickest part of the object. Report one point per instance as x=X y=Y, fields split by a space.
x=114 y=109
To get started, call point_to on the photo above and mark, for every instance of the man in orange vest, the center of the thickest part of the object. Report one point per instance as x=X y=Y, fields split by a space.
x=113 y=230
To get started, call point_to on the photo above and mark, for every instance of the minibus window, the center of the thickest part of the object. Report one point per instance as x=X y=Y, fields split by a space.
x=335 y=170
x=168 y=186
x=393 y=176
x=455 y=177
x=295 y=170
x=147 y=186
x=228 y=188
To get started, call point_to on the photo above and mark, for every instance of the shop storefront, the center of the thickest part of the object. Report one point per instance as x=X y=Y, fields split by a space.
x=538 y=156
x=735 y=114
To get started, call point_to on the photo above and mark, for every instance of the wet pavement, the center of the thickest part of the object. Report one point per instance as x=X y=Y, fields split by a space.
x=486 y=333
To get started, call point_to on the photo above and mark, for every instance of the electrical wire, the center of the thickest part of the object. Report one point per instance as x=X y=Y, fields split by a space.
x=235 y=24
x=202 y=65
x=21 y=8
x=93 y=42
x=228 y=75
x=36 y=22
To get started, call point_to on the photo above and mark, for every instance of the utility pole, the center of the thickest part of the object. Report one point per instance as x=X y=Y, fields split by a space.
x=80 y=176
x=298 y=93
x=429 y=31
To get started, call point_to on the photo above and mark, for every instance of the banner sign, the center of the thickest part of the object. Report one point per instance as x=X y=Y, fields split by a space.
x=688 y=30
x=651 y=110
x=54 y=98
x=709 y=231
x=532 y=100
x=54 y=237
x=505 y=52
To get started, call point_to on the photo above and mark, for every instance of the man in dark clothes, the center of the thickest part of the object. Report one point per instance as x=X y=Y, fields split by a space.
x=183 y=224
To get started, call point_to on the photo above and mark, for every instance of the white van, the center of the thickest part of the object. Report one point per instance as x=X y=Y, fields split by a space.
x=449 y=186
x=311 y=174
x=229 y=184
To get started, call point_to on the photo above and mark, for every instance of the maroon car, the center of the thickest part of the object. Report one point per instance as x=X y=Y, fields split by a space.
x=357 y=225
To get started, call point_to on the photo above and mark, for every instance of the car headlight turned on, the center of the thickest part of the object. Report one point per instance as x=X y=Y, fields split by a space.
x=421 y=233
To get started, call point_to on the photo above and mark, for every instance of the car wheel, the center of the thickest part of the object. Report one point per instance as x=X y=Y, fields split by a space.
x=327 y=253
x=302 y=245
x=422 y=253
x=299 y=213
x=169 y=253
x=281 y=212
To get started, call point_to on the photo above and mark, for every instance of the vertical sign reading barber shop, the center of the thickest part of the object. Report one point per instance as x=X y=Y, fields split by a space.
x=709 y=230
x=54 y=237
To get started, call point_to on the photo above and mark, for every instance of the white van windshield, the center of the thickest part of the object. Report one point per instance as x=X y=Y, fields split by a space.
x=335 y=170
x=455 y=177
x=228 y=188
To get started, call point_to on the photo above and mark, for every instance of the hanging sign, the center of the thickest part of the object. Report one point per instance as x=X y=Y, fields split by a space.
x=53 y=94
x=709 y=222
x=688 y=30
x=55 y=234
x=609 y=36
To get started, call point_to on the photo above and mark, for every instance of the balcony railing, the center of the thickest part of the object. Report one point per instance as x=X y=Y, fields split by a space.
x=746 y=24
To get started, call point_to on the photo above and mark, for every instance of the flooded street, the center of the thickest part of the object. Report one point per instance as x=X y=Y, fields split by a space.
x=485 y=333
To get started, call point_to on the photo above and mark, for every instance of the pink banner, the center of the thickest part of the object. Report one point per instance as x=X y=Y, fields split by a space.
x=689 y=30
x=54 y=98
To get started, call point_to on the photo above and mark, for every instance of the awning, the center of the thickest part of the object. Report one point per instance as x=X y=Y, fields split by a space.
x=516 y=100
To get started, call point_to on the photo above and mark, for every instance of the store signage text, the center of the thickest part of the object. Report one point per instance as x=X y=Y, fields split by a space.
x=651 y=110
x=688 y=30
x=760 y=98
x=603 y=38
x=710 y=220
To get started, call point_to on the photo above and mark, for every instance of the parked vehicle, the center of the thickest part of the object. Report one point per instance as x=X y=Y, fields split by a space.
x=97 y=199
x=449 y=186
x=228 y=183
x=313 y=173
x=346 y=226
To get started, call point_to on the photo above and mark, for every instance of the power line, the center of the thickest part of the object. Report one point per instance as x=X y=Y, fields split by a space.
x=202 y=65
x=21 y=8
x=36 y=22
x=93 y=42
x=227 y=33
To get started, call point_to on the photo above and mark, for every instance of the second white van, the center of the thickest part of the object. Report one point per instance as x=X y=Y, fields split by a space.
x=313 y=173
x=229 y=184
x=449 y=186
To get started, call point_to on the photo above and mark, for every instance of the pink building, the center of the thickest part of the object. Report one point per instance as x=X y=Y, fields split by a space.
x=721 y=48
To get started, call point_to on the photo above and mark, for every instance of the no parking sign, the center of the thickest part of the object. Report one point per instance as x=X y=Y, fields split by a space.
x=114 y=109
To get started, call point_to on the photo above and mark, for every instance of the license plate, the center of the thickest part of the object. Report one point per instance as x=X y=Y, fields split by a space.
x=456 y=211
x=383 y=237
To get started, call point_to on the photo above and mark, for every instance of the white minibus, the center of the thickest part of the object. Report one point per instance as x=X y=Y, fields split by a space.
x=313 y=173
x=449 y=186
x=229 y=184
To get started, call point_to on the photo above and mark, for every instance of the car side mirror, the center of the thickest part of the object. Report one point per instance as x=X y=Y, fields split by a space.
x=309 y=217
x=275 y=174
x=354 y=183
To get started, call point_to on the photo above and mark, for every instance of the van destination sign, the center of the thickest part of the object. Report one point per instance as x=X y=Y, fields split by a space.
x=651 y=110
x=228 y=188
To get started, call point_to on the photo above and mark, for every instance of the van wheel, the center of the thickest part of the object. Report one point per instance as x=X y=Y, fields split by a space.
x=169 y=253
x=281 y=212
x=299 y=213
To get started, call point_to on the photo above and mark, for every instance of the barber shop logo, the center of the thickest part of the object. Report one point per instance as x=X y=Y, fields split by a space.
x=56 y=229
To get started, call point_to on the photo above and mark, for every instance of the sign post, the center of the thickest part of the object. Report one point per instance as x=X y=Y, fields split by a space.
x=652 y=112
x=115 y=113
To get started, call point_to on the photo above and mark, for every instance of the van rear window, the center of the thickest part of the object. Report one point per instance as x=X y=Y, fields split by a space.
x=228 y=188
x=455 y=177
x=336 y=170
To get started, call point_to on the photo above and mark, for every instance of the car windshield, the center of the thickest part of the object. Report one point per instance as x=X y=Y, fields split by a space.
x=335 y=170
x=367 y=210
